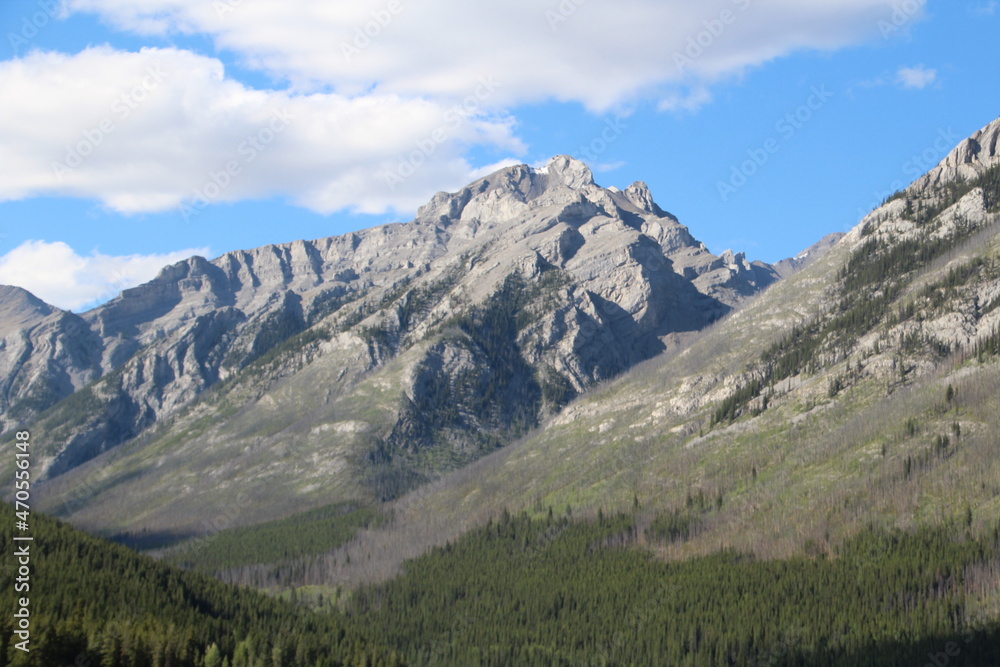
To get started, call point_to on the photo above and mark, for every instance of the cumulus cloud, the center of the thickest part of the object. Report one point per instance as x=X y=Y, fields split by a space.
x=361 y=123
x=596 y=53
x=151 y=130
x=55 y=273
x=917 y=78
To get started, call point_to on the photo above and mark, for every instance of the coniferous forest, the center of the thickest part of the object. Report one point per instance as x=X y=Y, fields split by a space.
x=523 y=591
x=98 y=604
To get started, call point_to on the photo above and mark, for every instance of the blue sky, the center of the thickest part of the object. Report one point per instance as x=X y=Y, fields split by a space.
x=136 y=132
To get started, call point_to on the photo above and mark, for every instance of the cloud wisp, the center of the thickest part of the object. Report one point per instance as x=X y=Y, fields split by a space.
x=916 y=78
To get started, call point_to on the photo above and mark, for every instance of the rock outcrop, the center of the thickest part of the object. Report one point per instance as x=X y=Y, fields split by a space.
x=529 y=285
x=45 y=355
x=969 y=159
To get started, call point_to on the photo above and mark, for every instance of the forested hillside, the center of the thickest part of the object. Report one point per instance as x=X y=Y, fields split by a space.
x=557 y=592
x=522 y=591
x=861 y=390
x=96 y=603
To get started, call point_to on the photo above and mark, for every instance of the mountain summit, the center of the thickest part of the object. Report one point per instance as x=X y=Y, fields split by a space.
x=381 y=357
x=361 y=366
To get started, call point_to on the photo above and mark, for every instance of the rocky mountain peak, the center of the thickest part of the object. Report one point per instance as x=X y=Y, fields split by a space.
x=568 y=171
x=20 y=309
x=967 y=160
x=979 y=149
x=638 y=193
x=511 y=192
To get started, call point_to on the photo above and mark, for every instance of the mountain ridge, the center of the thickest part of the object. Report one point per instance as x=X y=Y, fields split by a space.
x=493 y=307
x=860 y=391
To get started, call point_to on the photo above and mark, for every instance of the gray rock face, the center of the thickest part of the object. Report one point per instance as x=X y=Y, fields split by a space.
x=45 y=355
x=967 y=160
x=597 y=280
x=367 y=363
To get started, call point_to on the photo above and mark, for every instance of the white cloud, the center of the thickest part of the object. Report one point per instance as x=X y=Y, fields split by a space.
x=918 y=77
x=55 y=273
x=368 y=122
x=599 y=53
x=147 y=131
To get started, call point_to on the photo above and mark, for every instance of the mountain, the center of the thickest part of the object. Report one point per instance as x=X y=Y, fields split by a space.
x=969 y=160
x=787 y=267
x=860 y=391
x=45 y=355
x=360 y=366
x=539 y=424
x=535 y=308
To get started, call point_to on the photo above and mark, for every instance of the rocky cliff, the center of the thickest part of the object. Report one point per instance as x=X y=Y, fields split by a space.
x=495 y=305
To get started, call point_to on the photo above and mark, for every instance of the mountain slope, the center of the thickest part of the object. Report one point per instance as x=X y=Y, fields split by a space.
x=861 y=390
x=360 y=366
x=45 y=355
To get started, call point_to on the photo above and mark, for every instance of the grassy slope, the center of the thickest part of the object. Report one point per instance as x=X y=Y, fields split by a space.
x=291 y=448
x=820 y=469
